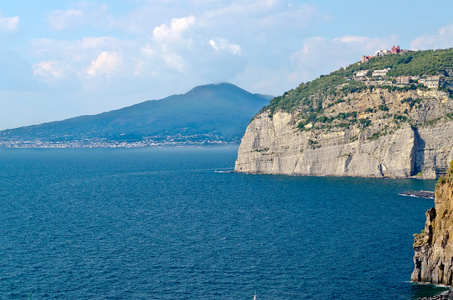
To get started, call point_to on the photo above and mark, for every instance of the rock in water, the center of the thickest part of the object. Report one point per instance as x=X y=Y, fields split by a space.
x=444 y=296
x=433 y=248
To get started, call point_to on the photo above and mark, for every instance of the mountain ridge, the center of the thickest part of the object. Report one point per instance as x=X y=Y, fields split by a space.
x=209 y=113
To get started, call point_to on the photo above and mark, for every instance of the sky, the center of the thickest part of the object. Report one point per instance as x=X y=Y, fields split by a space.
x=65 y=58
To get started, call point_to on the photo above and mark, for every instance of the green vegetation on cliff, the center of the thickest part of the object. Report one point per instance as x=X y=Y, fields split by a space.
x=374 y=98
x=416 y=63
x=308 y=97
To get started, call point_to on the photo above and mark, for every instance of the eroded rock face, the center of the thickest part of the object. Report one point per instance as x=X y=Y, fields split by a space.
x=274 y=144
x=433 y=259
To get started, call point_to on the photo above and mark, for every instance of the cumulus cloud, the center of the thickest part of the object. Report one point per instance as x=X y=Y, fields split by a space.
x=49 y=70
x=218 y=41
x=221 y=44
x=199 y=43
x=444 y=39
x=56 y=76
x=165 y=33
x=105 y=64
x=171 y=43
x=9 y=24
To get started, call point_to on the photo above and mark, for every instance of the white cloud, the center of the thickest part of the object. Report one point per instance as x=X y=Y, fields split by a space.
x=221 y=44
x=171 y=43
x=182 y=44
x=105 y=64
x=208 y=41
x=50 y=70
x=444 y=39
x=165 y=33
x=9 y=24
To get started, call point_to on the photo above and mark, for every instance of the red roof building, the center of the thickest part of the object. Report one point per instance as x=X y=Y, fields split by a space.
x=366 y=58
x=396 y=50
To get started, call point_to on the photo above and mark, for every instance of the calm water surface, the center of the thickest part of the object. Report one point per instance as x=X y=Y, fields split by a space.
x=168 y=223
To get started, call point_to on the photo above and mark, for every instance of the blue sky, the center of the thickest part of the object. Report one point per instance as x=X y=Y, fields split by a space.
x=60 y=59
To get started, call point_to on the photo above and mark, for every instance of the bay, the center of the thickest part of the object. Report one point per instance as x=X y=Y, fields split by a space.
x=173 y=223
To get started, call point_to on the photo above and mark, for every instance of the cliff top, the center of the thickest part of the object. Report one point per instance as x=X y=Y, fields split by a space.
x=403 y=71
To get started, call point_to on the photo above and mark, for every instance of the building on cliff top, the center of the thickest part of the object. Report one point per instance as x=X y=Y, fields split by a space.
x=380 y=73
x=366 y=58
x=396 y=49
x=431 y=82
x=380 y=53
x=403 y=79
x=361 y=73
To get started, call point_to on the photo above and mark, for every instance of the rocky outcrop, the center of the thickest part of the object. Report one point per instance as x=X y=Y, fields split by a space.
x=433 y=248
x=444 y=296
x=380 y=142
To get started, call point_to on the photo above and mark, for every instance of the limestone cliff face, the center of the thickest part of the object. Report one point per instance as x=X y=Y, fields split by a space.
x=433 y=258
x=381 y=142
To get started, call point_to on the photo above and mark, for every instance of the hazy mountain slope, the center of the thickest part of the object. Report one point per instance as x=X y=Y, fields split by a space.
x=217 y=109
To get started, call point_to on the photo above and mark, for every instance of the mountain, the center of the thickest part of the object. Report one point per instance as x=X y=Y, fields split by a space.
x=391 y=116
x=215 y=113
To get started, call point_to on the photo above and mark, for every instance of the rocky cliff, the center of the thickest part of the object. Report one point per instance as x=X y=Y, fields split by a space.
x=372 y=132
x=433 y=258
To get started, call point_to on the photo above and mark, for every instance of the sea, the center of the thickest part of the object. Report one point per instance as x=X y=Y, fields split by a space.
x=176 y=223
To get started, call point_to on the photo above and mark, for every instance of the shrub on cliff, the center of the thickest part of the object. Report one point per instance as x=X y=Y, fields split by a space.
x=448 y=176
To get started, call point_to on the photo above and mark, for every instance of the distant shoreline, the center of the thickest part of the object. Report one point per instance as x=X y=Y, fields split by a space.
x=75 y=145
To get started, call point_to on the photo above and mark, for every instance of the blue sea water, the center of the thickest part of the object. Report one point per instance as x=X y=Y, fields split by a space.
x=170 y=223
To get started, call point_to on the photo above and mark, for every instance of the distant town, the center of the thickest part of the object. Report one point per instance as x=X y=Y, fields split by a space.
x=154 y=141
